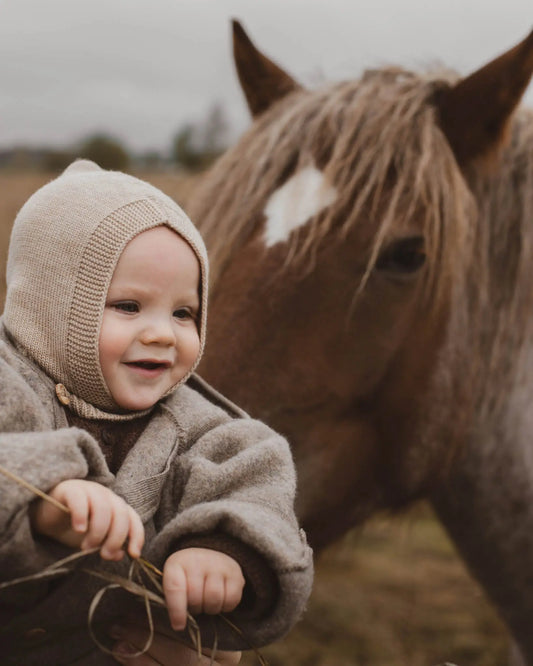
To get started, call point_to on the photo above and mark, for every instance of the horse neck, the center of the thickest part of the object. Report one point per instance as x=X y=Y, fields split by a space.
x=486 y=503
x=501 y=277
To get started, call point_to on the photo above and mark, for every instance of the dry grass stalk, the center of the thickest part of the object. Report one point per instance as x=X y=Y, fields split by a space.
x=138 y=568
x=33 y=489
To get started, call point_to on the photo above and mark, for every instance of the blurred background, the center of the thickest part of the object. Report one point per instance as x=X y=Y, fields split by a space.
x=149 y=86
x=156 y=76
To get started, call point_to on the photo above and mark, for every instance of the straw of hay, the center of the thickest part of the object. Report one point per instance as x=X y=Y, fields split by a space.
x=139 y=567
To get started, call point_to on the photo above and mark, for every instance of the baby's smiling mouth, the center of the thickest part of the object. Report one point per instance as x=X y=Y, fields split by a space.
x=149 y=365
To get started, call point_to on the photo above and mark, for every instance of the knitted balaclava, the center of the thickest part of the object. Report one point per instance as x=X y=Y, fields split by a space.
x=64 y=247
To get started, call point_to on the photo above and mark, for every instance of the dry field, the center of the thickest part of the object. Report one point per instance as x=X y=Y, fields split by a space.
x=393 y=593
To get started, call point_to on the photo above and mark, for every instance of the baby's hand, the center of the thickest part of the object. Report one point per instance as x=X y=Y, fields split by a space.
x=98 y=517
x=201 y=580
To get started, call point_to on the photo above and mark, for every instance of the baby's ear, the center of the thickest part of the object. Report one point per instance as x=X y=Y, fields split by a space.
x=81 y=166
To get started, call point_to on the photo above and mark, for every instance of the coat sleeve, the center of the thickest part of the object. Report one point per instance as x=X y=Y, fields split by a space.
x=30 y=448
x=237 y=481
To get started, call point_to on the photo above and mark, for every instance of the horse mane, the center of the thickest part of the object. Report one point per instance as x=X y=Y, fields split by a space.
x=377 y=141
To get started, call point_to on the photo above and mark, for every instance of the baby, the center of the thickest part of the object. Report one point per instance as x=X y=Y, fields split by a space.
x=104 y=324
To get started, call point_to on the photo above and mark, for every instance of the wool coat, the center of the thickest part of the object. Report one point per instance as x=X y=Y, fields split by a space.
x=201 y=473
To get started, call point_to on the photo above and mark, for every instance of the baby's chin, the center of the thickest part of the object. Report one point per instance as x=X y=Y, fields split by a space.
x=128 y=404
x=137 y=402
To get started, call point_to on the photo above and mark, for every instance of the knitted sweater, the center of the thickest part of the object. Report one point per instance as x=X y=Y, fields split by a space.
x=201 y=473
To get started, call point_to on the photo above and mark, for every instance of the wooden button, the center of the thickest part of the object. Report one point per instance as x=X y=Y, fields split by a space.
x=62 y=394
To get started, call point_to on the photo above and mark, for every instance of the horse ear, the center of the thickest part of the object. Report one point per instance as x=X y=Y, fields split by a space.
x=262 y=81
x=475 y=112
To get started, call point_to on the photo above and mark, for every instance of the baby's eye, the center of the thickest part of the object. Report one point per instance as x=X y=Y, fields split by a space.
x=184 y=314
x=126 y=306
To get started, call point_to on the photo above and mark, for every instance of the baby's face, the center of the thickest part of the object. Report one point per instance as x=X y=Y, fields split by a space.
x=149 y=336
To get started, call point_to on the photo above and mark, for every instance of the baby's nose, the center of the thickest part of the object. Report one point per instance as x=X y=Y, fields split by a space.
x=159 y=331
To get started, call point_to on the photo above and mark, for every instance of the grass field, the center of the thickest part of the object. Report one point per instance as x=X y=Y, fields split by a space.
x=393 y=593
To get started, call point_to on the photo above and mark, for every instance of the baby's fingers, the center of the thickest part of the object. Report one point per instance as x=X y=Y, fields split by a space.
x=136 y=533
x=221 y=594
x=119 y=527
x=214 y=594
x=77 y=502
x=100 y=519
x=125 y=525
x=233 y=593
x=175 y=589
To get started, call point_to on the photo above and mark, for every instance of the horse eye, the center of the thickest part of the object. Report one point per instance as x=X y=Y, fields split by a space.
x=403 y=256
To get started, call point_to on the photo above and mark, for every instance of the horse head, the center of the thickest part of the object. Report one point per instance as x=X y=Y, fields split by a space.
x=344 y=230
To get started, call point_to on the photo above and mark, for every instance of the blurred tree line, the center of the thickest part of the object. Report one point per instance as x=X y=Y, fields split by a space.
x=195 y=146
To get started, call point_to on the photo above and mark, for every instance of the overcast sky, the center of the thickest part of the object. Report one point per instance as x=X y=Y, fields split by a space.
x=140 y=69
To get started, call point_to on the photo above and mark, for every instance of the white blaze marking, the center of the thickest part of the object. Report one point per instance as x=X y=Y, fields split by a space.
x=299 y=199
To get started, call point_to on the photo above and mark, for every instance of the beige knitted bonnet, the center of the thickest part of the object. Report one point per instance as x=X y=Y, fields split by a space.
x=65 y=244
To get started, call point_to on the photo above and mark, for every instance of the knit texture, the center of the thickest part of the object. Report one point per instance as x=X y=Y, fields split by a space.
x=65 y=244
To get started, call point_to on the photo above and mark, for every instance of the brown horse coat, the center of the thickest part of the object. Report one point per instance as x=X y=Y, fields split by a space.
x=372 y=253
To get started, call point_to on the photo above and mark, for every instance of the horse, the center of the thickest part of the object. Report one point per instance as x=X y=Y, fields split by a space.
x=371 y=247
